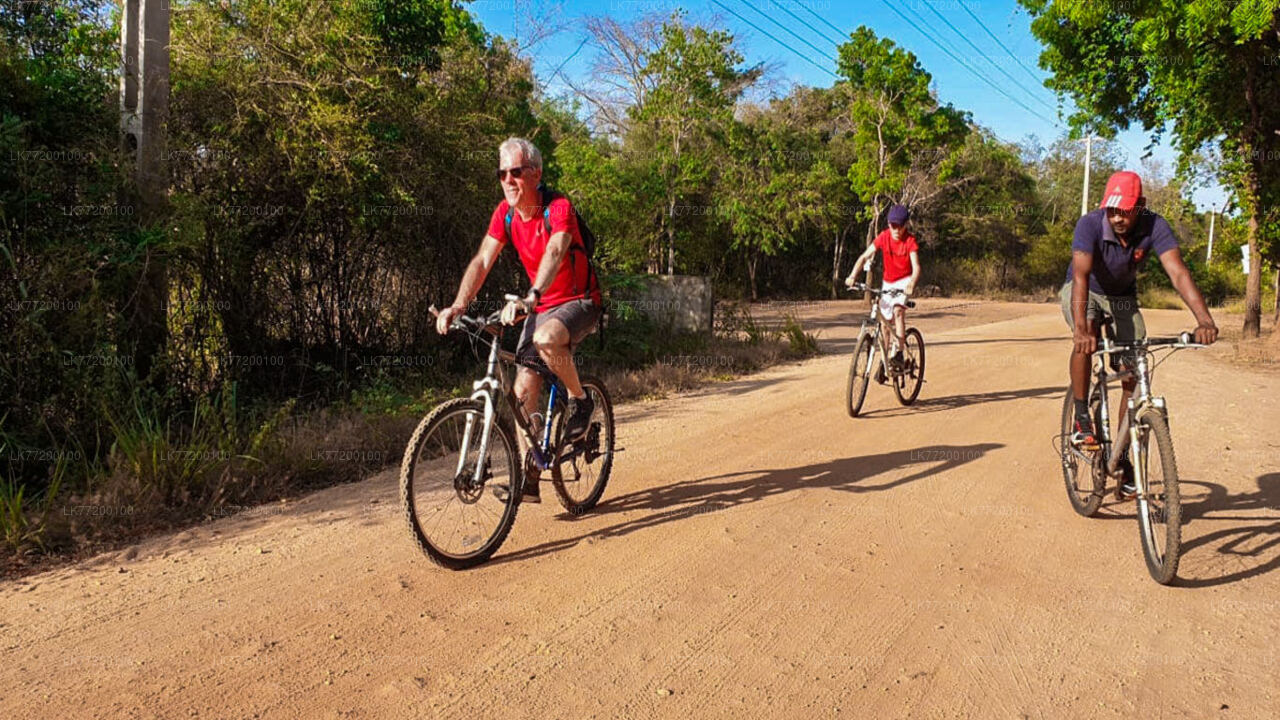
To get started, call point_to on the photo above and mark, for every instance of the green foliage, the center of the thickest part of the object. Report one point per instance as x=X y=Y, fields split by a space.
x=1204 y=67
x=894 y=114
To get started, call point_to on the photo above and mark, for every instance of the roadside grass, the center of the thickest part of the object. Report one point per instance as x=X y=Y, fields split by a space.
x=220 y=458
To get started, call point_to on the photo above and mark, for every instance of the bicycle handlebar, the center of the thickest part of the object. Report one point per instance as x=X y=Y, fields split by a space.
x=1181 y=341
x=860 y=287
x=475 y=323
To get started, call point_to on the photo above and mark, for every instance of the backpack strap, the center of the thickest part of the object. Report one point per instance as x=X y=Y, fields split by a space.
x=546 y=195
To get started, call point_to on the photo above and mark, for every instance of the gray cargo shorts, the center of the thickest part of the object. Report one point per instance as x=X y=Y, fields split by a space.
x=580 y=317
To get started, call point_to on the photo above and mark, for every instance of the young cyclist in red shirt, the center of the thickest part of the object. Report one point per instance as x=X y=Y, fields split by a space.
x=901 y=272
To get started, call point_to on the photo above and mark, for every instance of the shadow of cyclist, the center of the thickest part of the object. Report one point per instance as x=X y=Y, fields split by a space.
x=689 y=498
x=1249 y=547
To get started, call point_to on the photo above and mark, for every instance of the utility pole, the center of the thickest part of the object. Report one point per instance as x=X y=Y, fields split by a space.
x=144 y=97
x=1084 y=192
x=1213 y=213
x=144 y=115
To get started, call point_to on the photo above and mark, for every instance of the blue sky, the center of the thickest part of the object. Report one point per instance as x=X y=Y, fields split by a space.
x=1014 y=72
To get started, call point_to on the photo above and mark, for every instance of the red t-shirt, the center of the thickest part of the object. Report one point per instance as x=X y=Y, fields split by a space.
x=530 y=239
x=897 y=255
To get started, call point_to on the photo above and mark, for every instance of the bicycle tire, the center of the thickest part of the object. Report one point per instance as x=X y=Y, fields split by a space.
x=915 y=373
x=607 y=439
x=1162 y=553
x=1084 y=500
x=856 y=389
x=500 y=437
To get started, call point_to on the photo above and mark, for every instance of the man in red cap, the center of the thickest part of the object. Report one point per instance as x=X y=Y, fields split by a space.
x=1110 y=246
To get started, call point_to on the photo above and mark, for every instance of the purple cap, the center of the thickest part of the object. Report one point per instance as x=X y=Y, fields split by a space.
x=898 y=214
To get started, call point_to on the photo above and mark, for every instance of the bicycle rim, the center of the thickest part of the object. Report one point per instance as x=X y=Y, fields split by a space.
x=1160 y=507
x=456 y=521
x=581 y=469
x=856 y=389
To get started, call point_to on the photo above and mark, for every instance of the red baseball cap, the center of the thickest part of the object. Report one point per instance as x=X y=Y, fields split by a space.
x=1124 y=189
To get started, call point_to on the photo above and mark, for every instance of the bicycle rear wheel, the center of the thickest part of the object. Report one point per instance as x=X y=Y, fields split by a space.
x=906 y=384
x=1160 y=507
x=581 y=468
x=859 y=375
x=1081 y=469
x=457 y=521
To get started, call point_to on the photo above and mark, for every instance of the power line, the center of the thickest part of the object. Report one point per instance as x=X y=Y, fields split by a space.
x=771 y=37
x=566 y=60
x=839 y=33
x=962 y=63
x=1001 y=44
x=789 y=30
x=784 y=9
x=978 y=50
x=942 y=41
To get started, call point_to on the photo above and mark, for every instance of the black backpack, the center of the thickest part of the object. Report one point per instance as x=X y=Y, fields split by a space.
x=587 y=249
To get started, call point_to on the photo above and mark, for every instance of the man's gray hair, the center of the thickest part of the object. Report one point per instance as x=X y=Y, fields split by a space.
x=527 y=150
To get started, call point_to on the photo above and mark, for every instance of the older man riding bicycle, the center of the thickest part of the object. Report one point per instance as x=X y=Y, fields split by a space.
x=563 y=303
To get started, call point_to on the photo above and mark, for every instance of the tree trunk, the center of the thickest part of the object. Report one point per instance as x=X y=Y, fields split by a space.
x=752 y=260
x=1253 y=286
x=1253 y=145
x=836 y=256
x=671 y=236
x=1275 y=318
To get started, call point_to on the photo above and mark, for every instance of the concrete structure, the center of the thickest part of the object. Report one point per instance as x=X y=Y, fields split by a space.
x=683 y=302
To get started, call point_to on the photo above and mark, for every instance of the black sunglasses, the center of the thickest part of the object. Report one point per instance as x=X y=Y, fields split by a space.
x=516 y=172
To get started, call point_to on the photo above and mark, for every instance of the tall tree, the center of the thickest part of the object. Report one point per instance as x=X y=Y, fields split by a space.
x=897 y=121
x=696 y=81
x=1206 y=66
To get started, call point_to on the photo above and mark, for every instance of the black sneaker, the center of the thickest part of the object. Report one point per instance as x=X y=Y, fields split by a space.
x=880 y=376
x=1084 y=436
x=896 y=362
x=579 y=418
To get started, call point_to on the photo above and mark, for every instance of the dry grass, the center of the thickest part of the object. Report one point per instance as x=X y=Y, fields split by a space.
x=160 y=478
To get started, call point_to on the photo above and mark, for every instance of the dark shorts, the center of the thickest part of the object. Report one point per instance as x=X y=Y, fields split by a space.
x=580 y=317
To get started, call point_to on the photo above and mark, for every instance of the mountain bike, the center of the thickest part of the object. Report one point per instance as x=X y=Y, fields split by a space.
x=1143 y=433
x=871 y=353
x=466 y=446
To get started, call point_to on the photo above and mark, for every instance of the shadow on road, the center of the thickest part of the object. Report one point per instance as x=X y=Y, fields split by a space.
x=1064 y=339
x=1250 y=547
x=928 y=404
x=689 y=498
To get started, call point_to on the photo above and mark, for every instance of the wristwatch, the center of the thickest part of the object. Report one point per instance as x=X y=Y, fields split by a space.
x=536 y=293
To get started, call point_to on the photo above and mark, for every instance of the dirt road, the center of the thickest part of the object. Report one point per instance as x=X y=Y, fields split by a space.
x=758 y=554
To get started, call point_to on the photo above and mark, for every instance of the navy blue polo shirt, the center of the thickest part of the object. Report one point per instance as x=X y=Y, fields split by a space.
x=1115 y=267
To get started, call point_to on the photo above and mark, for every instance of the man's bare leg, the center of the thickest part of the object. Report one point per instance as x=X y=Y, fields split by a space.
x=552 y=341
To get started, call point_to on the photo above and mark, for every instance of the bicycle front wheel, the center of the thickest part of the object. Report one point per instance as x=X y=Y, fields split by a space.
x=455 y=515
x=906 y=384
x=1160 y=506
x=581 y=468
x=859 y=375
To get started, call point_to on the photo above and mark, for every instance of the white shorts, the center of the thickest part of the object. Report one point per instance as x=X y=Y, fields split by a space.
x=888 y=302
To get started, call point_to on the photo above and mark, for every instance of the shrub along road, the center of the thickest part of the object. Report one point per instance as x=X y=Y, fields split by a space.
x=758 y=554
